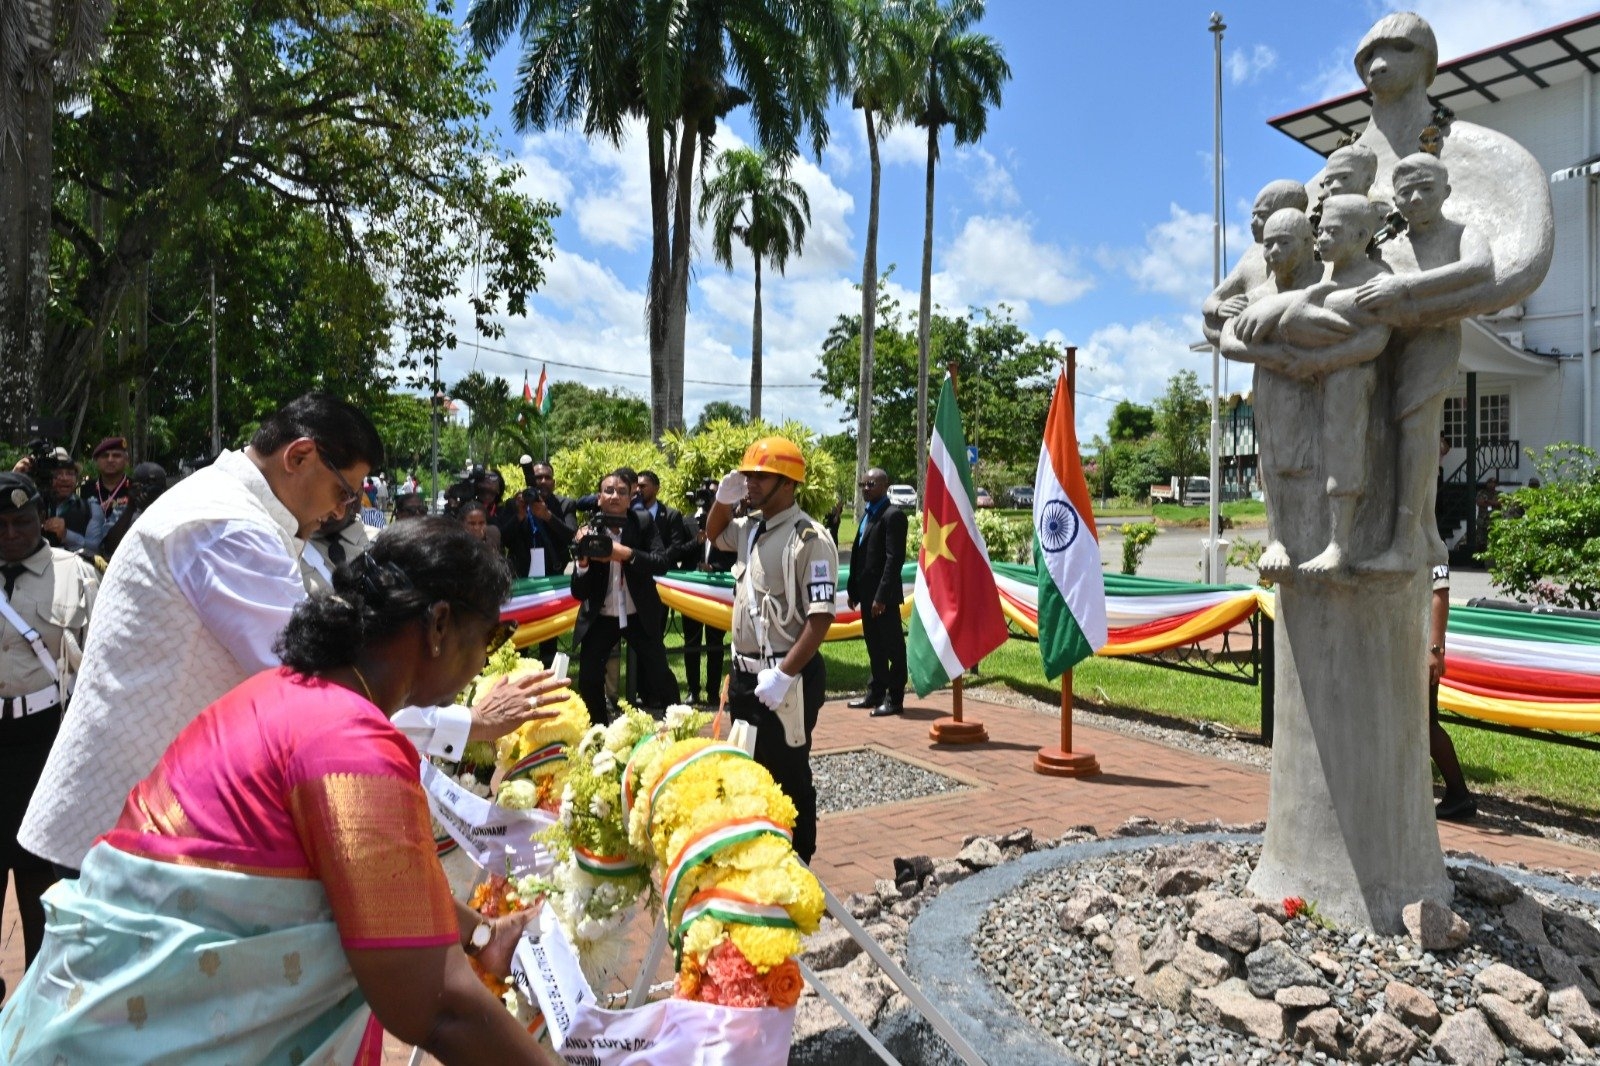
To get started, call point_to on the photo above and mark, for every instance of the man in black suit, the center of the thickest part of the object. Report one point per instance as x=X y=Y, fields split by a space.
x=875 y=563
x=617 y=594
x=536 y=530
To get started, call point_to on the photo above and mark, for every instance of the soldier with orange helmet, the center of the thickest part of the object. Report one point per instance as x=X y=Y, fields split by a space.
x=786 y=574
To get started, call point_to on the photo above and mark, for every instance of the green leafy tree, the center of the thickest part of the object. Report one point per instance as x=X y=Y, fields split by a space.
x=720 y=446
x=489 y=398
x=679 y=68
x=579 y=412
x=1182 y=416
x=753 y=200
x=1135 y=465
x=580 y=467
x=310 y=163
x=1003 y=383
x=1544 y=546
x=879 y=80
x=1131 y=421
x=721 y=411
x=959 y=80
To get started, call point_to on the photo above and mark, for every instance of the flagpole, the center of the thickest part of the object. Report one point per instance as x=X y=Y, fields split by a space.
x=1063 y=761
x=955 y=731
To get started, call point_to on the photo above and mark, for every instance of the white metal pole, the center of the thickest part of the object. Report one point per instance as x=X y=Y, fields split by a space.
x=216 y=422
x=1213 y=569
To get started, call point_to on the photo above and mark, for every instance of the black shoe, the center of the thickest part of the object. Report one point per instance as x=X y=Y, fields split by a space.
x=886 y=708
x=869 y=700
x=1457 y=810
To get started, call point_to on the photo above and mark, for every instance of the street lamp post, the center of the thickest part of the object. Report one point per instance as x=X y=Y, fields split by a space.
x=1213 y=555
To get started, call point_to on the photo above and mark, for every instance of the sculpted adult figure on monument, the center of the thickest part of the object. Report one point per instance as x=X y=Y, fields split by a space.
x=1232 y=296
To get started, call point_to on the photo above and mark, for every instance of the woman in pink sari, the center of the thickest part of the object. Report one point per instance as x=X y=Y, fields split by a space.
x=271 y=892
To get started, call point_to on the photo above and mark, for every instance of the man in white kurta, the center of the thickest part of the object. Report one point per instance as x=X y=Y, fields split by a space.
x=190 y=607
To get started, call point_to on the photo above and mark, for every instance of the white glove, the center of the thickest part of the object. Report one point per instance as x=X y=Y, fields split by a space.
x=731 y=489
x=525 y=460
x=772 y=685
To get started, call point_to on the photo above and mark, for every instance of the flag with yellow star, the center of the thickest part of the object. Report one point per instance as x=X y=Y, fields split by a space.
x=956 y=618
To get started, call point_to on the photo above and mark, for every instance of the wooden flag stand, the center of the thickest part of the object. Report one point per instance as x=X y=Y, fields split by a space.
x=955 y=730
x=1063 y=761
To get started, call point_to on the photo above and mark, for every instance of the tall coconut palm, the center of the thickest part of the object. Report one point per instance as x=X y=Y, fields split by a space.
x=960 y=77
x=679 y=67
x=880 y=82
x=753 y=200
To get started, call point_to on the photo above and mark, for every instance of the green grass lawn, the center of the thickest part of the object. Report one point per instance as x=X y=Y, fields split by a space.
x=1240 y=512
x=1512 y=767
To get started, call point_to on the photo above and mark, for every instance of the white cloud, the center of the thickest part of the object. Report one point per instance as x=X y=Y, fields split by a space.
x=604 y=188
x=998 y=258
x=904 y=144
x=1133 y=362
x=1176 y=259
x=1245 y=67
x=990 y=179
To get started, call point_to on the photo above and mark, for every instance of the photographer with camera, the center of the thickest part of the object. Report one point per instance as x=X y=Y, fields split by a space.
x=536 y=530
x=70 y=521
x=619 y=554
x=700 y=639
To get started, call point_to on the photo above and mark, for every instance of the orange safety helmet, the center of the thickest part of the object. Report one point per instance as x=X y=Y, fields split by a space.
x=775 y=455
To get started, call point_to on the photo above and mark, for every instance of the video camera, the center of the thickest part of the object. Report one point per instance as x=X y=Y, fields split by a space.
x=598 y=540
x=703 y=498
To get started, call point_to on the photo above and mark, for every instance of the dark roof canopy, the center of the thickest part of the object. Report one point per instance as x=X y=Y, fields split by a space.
x=1529 y=63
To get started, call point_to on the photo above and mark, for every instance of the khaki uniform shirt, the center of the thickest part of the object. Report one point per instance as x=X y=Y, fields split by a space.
x=54 y=594
x=792 y=574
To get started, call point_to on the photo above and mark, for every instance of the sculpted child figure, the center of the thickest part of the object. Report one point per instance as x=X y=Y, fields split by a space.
x=1231 y=296
x=1434 y=261
x=1285 y=404
x=1286 y=333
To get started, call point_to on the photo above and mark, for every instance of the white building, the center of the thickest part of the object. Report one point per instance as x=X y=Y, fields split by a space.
x=1531 y=369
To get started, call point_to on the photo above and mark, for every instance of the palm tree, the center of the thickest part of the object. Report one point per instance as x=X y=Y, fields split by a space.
x=678 y=67
x=960 y=77
x=753 y=199
x=880 y=81
x=490 y=400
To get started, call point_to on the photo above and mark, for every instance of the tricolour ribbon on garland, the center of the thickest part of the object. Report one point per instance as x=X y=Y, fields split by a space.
x=683 y=763
x=706 y=844
x=731 y=907
x=604 y=865
x=528 y=764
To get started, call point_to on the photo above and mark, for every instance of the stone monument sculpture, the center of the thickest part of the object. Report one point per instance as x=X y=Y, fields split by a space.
x=1353 y=358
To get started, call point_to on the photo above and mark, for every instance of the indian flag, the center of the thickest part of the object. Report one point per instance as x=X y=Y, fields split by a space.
x=1066 y=548
x=541 y=397
x=956 y=618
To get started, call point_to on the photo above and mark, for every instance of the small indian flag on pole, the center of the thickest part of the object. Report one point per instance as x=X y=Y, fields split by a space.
x=541 y=398
x=957 y=618
x=1066 y=548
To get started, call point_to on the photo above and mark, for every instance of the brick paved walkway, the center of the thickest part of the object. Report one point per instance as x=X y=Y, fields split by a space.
x=1140 y=777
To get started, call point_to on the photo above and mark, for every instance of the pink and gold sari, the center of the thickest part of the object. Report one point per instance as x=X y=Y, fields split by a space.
x=283 y=826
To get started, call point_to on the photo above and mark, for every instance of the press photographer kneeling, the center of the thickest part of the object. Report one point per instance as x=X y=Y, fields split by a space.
x=619 y=551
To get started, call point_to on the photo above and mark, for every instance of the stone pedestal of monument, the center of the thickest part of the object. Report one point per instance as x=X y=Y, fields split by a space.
x=1350 y=821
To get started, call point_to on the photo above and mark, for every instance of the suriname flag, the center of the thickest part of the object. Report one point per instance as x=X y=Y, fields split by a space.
x=956 y=617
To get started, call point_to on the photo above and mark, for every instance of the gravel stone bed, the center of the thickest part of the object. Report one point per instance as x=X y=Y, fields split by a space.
x=1064 y=984
x=850 y=780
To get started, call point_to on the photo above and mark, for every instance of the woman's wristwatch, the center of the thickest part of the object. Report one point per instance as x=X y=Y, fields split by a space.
x=479 y=939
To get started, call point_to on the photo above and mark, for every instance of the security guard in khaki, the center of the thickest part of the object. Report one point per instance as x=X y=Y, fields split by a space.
x=45 y=611
x=786 y=574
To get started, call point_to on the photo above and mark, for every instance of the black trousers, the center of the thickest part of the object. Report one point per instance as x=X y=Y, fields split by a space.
x=20 y=768
x=789 y=767
x=655 y=677
x=701 y=639
x=886 y=651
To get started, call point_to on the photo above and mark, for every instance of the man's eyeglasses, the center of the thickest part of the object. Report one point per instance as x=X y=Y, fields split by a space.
x=499 y=635
x=350 y=495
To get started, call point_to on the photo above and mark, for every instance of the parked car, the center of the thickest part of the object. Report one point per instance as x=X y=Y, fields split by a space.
x=1021 y=496
x=983 y=497
x=903 y=496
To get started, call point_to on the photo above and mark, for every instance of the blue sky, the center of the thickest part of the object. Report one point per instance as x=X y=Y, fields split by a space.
x=1087 y=207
